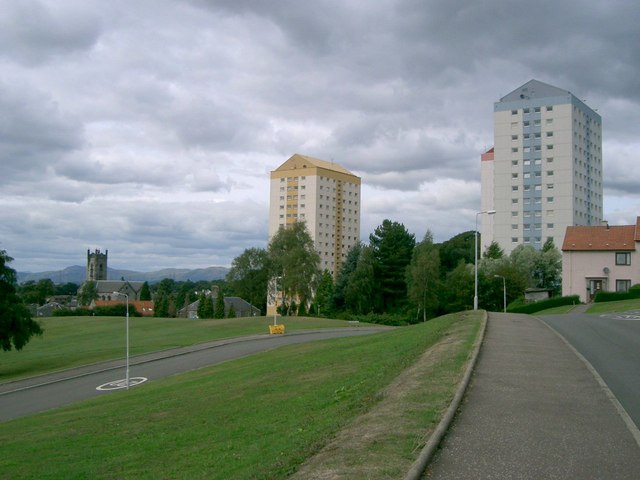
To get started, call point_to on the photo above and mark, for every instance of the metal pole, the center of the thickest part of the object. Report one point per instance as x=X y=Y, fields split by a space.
x=475 y=264
x=504 y=290
x=127 y=297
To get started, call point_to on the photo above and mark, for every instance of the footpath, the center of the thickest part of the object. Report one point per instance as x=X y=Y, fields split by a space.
x=534 y=410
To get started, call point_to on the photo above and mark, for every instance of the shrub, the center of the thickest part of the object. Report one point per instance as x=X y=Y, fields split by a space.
x=519 y=306
x=634 y=292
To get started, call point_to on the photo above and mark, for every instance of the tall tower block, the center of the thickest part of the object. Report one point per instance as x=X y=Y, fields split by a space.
x=544 y=173
x=96 y=265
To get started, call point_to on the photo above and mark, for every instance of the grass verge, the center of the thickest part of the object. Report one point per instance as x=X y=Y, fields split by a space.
x=72 y=341
x=258 y=417
x=618 y=306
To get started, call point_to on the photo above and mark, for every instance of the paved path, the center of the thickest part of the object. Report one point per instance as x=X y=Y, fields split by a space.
x=45 y=392
x=535 y=411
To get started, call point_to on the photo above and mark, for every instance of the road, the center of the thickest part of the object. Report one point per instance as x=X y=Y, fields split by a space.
x=611 y=343
x=37 y=394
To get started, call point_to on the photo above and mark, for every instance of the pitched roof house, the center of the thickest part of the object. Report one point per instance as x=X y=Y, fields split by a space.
x=603 y=258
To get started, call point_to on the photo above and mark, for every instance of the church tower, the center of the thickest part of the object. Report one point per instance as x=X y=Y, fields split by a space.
x=96 y=265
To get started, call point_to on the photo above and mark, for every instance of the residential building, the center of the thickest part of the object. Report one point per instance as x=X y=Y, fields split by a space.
x=544 y=172
x=600 y=258
x=326 y=196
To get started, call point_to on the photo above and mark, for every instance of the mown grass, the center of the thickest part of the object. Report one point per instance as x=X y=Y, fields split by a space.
x=256 y=417
x=619 y=306
x=72 y=341
x=597 y=308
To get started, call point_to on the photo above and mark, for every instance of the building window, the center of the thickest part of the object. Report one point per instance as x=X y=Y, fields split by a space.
x=514 y=149
x=550 y=146
x=514 y=188
x=549 y=108
x=623 y=285
x=623 y=258
x=514 y=226
x=525 y=123
x=514 y=163
x=514 y=239
x=514 y=112
x=549 y=134
x=536 y=109
x=549 y=225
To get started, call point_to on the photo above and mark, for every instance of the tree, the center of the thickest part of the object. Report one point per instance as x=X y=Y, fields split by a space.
x=392 y=248
x=459 y=247
x=249 y=276
x=232 y=312
x=205 y=306
x=548 y=269
x=459 y=288
x=88 y=292
x=16 y=325
x=342 y=280
x=360 y=295
x=423 y=277
x=493 y=251
x=294 y=262
x=324 y=294
x=145 y=292
x=219 y=308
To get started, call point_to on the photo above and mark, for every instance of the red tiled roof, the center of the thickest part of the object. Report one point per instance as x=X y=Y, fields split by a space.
x=601 y=238
x=637 y=237
x=144 y=307
x=488 y=155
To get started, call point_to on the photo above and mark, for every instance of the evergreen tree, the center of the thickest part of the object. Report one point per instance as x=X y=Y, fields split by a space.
x=219 y=309
x=145 y=292
x=360 y=294
x=348 y=266
x=392 y=248
x=16 y=325
x=232 y=312
x=324 y=294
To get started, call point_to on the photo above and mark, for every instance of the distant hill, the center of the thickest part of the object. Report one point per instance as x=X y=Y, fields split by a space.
x=77 y=274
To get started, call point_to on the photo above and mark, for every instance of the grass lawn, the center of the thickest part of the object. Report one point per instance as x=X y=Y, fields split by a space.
x=619 y=306
x=257 y=417
x=72 y=341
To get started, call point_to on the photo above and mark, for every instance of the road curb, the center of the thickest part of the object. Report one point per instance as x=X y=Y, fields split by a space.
x=633 y=428
x=426 y=454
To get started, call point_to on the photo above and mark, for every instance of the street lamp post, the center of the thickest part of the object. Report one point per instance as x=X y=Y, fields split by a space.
x=127 y=335
x=475 y=253
x=504 y=291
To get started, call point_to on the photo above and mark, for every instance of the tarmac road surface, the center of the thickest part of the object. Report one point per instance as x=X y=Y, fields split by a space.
x=611 y=343
x=36 y=394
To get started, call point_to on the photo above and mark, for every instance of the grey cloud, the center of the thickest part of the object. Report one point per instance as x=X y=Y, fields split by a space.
x=35 y=31
x=35 y=132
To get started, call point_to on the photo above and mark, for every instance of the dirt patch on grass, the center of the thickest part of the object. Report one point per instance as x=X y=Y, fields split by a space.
x=384 y=442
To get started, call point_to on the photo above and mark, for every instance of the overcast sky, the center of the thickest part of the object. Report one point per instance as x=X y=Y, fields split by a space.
x=149 y=127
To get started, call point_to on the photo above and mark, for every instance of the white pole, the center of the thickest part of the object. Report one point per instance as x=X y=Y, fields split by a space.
x=126 y=296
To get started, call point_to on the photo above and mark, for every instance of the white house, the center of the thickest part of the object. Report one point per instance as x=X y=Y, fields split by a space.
x=603 y=258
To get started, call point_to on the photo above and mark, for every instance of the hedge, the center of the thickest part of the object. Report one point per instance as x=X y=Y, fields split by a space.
x=634 y=292
x=519 y=307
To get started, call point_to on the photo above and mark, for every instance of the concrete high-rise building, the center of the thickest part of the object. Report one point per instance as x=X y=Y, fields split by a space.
x=326 y=197
x=544 y=172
